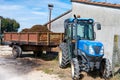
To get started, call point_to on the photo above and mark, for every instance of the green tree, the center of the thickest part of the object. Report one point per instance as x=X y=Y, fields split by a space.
x=9 y=25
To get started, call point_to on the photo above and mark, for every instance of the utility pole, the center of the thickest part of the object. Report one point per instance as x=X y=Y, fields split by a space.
x=50 y=6
x=0 y=27
x=0 y=33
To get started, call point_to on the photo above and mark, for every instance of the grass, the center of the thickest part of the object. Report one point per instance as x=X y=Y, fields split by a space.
x=117 y=65
x=116 y=77
x=48 y=70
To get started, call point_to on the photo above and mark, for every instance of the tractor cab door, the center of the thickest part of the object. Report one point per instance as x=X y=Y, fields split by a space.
x=69 y=37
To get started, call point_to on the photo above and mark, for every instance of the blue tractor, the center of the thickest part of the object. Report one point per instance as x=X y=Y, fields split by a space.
x=80 y=49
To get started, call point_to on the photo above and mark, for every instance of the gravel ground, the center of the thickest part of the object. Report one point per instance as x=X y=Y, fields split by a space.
x=11 y=69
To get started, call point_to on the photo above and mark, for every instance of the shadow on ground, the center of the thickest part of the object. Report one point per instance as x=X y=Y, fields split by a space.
x=44 y=56
x=28 y=62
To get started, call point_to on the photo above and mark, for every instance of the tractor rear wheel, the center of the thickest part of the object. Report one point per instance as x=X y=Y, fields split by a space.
x=16 y=51
x=105 y=68
x=63 y=56
x=75 y=69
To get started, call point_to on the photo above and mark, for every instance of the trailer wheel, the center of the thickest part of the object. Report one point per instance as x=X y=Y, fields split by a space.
x=16 y=51
x=75 y=69
x=105 y=68
x=63 y=56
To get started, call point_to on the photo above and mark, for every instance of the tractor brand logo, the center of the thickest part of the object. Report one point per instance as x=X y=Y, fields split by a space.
x=97 y=49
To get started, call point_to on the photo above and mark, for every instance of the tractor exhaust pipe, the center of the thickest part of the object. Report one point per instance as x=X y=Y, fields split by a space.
x=76 y=40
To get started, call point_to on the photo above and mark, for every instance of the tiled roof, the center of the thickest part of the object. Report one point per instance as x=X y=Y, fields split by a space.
x=58 y=17
x=98 y=3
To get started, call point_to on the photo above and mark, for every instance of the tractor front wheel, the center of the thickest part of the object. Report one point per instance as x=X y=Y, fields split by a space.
x=75 y=69
x=63 y=56
x=105 y=68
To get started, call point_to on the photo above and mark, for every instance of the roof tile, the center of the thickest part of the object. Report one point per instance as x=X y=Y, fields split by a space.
x=98 y=3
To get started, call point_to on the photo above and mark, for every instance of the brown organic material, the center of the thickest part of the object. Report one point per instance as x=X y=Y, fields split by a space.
x=36 y=28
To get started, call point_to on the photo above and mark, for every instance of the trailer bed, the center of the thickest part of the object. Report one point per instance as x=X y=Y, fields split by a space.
x=34 y=38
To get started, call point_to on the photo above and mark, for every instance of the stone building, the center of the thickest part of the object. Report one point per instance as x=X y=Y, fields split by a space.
x=106 y=13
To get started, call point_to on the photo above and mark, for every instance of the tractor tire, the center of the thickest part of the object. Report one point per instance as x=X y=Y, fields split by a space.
x=63 y=56
x=75 y=69
x=16 y=51
x=105 y=68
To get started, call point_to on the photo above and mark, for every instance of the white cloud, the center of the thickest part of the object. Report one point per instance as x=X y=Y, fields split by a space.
x=37 y=8
x=10 y=7
x=38 y=13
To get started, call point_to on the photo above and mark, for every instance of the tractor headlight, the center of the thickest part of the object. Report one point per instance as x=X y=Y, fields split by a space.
x=102 y=50
x=91 y=50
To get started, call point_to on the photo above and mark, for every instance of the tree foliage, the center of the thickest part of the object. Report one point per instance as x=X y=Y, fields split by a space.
x=36 y=28
x=9 y=25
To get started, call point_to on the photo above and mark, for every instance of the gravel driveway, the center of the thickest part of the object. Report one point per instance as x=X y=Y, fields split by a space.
x=11 y=69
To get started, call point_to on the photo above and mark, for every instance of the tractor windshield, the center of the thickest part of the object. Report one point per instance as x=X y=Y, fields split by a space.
x=84 y=31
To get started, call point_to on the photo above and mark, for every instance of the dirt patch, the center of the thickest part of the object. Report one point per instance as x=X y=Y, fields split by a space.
x=21 y=68
x=44 y=67
x=51 y=67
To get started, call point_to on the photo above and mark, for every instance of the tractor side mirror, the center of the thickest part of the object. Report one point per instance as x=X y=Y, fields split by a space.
x=98 y=26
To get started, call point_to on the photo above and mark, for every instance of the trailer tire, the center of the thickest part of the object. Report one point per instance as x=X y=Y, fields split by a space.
x=63 y=56
x=16 y=51
x=105 y=68
x=75 y=69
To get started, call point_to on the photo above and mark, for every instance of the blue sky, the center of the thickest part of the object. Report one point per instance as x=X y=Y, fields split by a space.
x=110 y=1
x=31 y=12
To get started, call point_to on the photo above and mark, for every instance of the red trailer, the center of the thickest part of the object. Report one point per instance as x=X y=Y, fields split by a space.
x=32 y=41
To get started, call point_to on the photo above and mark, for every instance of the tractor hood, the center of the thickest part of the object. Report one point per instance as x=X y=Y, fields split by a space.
x=89 y=43
x=91 y=48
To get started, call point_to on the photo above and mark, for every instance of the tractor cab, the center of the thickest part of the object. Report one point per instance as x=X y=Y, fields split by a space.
x=83 y=28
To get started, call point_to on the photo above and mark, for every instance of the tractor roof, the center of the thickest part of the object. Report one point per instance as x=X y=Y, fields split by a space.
x=79 y=19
